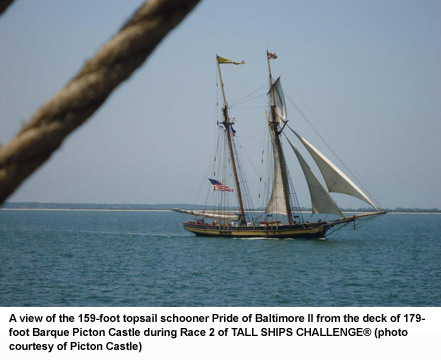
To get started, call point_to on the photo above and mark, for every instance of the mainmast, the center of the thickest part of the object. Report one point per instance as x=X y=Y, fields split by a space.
x=228 y=124
x=274 y=128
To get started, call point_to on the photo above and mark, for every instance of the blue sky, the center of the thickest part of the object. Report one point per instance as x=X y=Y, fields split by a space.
x=366 y=73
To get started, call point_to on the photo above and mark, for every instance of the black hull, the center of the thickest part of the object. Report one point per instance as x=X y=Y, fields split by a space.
x=298 y=231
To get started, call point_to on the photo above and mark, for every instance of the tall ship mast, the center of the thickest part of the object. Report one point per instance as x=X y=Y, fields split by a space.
x=280 y=196
x=228 y=127
x=280 y=219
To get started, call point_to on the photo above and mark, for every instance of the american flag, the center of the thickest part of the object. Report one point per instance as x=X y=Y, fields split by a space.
x=218 y=186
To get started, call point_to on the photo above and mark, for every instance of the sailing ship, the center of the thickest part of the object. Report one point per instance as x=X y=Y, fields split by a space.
x=282 y=217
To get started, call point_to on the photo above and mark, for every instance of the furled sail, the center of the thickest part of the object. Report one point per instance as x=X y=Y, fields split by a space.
x=335 y=179
x=321 y=202
x=279 y=99
x=277 y=202
x=211 y=215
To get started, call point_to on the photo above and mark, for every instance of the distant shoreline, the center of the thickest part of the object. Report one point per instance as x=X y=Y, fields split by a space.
x=170 y=210
x=91 y=209
x=61 y=206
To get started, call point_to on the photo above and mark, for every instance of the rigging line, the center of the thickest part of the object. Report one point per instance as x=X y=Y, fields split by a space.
x=338 y=228
x=206 y=199
x=250 y=161
x=253 y=92
x=240 y=77
x=253 y=138
x=246 y=98
x=363 y=222
x=216 y=107
x=247 y=107
x=242 y=178
x=330 y=148
x=210 y=168
x=269 y=166
x=208 y=171
x=294 y=198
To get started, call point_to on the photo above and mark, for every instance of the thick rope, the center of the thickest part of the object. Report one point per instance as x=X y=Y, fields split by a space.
x=84 y=94
x=4 y=5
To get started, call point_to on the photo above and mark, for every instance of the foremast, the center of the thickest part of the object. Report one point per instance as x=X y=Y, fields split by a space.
x=274 y=123
x=228 y=129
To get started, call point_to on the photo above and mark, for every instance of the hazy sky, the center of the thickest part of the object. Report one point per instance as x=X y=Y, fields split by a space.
x=367 y=74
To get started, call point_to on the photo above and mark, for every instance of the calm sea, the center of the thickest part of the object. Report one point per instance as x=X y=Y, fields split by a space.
x=110 y=258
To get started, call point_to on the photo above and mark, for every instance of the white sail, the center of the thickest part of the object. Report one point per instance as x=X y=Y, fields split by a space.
x=279 y=99
x=335 y=179
x=321 y=202
x=277 y=203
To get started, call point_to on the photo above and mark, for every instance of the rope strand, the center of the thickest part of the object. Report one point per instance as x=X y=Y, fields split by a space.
x=87 y=91
x=4 y=4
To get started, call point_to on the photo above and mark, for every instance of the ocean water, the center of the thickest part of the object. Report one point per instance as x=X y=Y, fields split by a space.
x=111 y=258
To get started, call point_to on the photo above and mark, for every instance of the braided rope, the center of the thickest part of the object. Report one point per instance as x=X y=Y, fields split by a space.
x=84 y=94
x=4 y=5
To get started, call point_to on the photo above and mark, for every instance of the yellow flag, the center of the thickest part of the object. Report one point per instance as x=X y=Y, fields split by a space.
x=222 y=60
